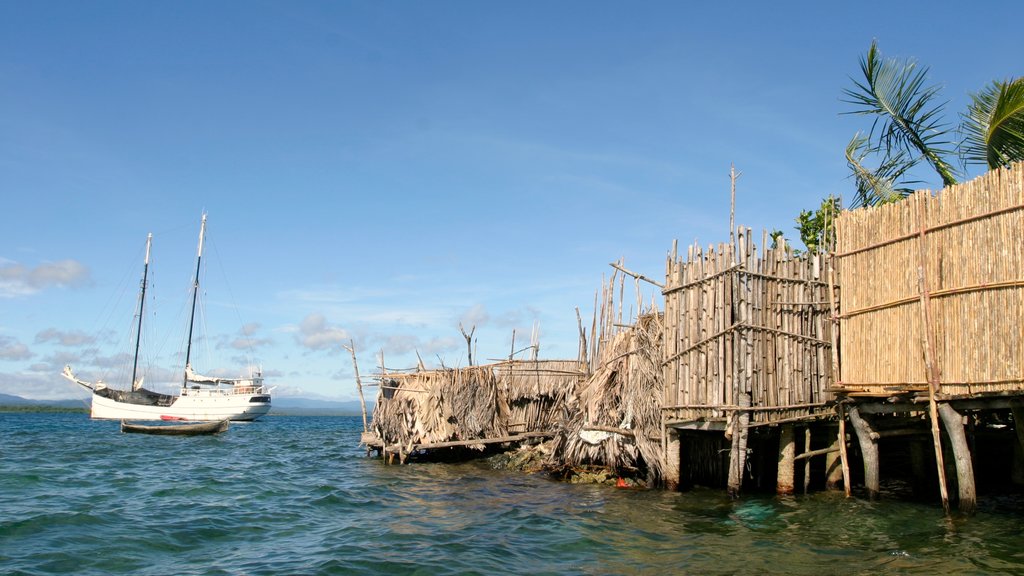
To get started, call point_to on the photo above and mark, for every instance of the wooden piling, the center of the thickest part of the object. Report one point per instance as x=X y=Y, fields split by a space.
x=784 y=483
x=868 y=449
x=953 y=423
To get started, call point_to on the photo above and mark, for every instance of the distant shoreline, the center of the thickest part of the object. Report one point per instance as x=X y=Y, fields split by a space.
x=43 y=408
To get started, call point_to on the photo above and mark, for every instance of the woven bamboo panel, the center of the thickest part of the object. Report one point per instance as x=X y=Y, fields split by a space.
x=746 y=324
x=946 y=267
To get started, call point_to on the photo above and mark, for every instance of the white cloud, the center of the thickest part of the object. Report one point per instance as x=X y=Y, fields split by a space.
x=11 y=349
x=20 y=280
x=316 y=334
x=73 y=338
x=475 y=316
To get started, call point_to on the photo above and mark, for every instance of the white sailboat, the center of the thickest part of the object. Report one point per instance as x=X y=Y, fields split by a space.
x=201 y=398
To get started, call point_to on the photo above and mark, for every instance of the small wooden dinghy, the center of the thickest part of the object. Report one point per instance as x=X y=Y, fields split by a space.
x=191 y=429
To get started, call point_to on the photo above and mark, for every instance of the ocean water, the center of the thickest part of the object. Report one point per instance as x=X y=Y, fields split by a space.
x=297 y=495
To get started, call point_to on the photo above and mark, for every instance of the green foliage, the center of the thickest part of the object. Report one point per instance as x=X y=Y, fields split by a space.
x=907 y=120
x=880 y=185
x=816 y=227
x=993 y=127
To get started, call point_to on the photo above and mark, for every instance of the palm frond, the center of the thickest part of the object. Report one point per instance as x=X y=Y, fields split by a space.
x=907 y=118
x=883 y=184
x=993 y=127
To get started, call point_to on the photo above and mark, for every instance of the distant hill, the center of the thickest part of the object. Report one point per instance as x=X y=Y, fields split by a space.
x=282 y=406
x=11 y=400
x=11 y=403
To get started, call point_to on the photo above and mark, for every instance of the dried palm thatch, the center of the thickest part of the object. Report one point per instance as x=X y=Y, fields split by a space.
x=537 y=391
x=615 y=418
x=433 y=406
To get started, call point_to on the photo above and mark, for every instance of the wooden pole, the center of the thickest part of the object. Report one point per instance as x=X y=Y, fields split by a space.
x=931 y=369
x=787 y=450
x=842 y=450
x=833 y=465
x=359 y=383
x=807 y=461
x=933 y=411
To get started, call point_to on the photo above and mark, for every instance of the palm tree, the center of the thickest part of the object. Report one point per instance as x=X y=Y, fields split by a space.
x=993 y=127
x=907 y=127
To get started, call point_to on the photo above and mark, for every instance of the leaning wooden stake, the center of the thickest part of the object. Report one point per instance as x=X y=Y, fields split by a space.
x=933 y=385
x=359 y=383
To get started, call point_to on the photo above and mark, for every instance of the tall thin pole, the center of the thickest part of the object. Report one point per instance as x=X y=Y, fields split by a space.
x=732 y=212
x=142 y=303
x=195 y=295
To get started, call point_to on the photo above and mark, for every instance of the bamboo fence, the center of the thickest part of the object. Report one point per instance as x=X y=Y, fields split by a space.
x=746 y=333
x=935 y=279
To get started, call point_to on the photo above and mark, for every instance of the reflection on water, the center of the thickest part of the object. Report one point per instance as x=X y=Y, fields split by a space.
x=297 y=495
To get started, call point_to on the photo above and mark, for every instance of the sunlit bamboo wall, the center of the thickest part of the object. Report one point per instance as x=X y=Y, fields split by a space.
x=746 y=324
x=952 y=262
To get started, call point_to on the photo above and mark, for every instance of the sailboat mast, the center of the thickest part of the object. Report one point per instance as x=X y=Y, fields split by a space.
x=195 y=295
x=142 y=303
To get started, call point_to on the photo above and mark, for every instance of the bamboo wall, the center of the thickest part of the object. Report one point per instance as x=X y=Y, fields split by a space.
x=937 y=275
x=746 y=326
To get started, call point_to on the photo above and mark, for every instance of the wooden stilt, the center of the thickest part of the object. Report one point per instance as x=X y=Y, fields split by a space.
x=834 y=466
x=787 y=450
x=842 y=450
x=954 y=425
x=807 y=461
x=868 y=449
x=738 y=453
x=672 y=463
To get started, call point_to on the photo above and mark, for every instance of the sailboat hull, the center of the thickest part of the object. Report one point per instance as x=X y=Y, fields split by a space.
x=197 y=405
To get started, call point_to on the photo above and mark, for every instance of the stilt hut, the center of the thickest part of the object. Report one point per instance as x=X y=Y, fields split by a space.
x=932 y=322
x=471 y=407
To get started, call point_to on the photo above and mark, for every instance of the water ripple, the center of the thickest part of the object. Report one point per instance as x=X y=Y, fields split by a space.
x=297 y=496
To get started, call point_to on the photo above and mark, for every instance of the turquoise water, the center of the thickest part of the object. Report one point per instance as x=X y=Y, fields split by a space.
x=296 y=495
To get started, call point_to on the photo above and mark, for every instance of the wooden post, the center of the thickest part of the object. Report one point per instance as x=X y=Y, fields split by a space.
x=954 y=425
x=359 y=383
x=672 y=464
x=807 y=461
x=787 y=450
x=842 y=450
x=834 y=466
x=930 y=367
x=868 y=449
x=738 y=453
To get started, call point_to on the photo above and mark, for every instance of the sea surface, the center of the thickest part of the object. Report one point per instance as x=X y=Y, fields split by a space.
x=297 y=495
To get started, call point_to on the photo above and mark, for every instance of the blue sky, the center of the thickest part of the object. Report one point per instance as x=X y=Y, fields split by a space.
x=382 y=171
